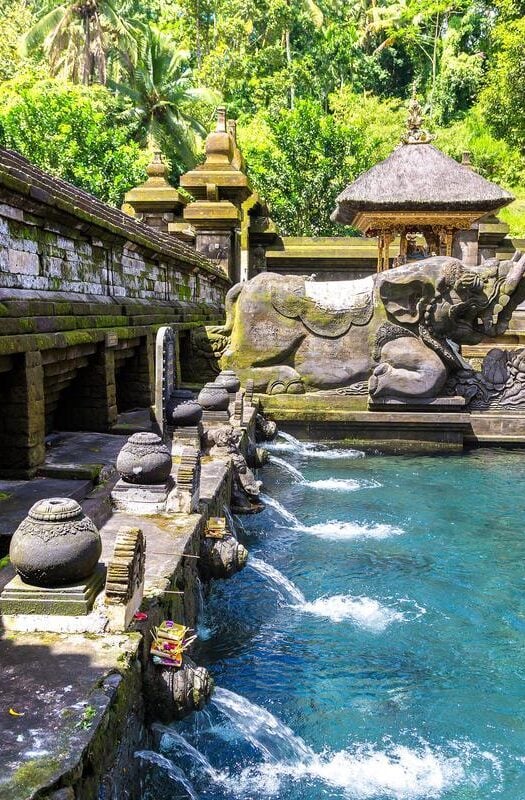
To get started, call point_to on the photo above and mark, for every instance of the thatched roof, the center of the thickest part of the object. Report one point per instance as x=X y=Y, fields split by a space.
x=419 y=177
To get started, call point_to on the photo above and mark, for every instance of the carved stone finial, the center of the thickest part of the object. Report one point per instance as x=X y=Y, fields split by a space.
x=415 y=133
x=221 y=119
x=157 y=168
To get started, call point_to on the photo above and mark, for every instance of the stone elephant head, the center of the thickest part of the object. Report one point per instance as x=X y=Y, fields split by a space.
x=444 y=302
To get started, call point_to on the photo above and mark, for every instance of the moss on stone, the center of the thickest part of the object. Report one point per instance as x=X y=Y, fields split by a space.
x=32 y=774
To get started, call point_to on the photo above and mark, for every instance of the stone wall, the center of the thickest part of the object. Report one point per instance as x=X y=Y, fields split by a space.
x=83 y=290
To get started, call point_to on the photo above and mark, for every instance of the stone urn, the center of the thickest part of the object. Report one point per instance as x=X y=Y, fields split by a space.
x=214 y=397
x=183 y=413
x=229 y=380
x=56 y=544
x=144 y=459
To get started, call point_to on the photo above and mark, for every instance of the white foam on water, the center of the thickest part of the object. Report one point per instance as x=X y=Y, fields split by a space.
x=289 y=444
x=365 y=612
x=342 y=484
x=334 y=529
x=328 y=484
x=365 y=772
x=361 y=772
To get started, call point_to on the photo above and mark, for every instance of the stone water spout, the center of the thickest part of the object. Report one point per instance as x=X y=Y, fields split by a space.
x=221 y=555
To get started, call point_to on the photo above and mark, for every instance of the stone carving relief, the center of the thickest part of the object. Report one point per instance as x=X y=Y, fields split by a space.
x=125 y=571
x=396 y=334
x=499 y=384
x=224 y=440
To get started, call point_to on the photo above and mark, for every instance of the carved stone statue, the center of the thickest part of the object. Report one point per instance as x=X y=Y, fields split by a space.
x=224 y=440
x=399 y=330
x=499 y=385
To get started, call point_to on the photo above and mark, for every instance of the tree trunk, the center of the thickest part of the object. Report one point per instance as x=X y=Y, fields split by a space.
x=86 y=69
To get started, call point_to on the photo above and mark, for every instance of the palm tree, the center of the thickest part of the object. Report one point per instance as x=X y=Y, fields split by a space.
x=159 y=90
x=76 y=37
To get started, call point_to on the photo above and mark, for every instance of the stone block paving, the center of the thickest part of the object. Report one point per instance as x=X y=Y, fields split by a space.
x=55 y=691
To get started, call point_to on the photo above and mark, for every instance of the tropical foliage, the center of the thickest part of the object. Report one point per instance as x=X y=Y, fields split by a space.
x=74 y=132
x=318 y=86
x=159 y=91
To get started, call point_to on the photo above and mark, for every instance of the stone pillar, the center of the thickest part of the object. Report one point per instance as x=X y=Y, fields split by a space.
x=22 y=425
x=493 y=240
x=219 y=187
x=90 y=403
x=137 y=389
x=466 y=248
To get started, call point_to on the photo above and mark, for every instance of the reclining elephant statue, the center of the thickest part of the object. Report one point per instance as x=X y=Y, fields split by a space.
x=400 y=331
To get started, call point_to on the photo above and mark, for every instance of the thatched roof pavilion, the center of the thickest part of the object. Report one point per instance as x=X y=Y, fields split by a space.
x=417 y=189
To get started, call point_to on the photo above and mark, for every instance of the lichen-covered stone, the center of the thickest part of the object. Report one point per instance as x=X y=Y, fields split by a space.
x=56 y=544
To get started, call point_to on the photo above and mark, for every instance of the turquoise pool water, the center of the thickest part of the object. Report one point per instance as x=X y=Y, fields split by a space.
x=375 y=646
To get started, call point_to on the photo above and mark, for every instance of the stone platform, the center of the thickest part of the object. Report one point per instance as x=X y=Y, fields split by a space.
x=60 y=688
x=393 y=427
x=76 y=690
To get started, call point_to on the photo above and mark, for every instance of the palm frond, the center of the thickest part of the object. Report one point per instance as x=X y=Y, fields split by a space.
x=45 y=26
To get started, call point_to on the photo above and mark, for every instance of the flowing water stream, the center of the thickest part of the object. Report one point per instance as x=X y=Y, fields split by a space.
x=374 y=648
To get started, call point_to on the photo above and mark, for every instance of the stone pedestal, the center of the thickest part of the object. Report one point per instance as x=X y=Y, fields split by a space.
x=185 y=437
x=76 y=599
x=214 y=417
x=136 y=498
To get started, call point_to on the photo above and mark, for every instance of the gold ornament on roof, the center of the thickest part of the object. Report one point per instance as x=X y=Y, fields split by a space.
x=415 y=133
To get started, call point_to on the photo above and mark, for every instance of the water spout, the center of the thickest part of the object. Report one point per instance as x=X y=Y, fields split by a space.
x=169 y=769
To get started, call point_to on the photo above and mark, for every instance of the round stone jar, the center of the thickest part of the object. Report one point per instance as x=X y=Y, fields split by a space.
x=56 y=544
x=144 y=459
x=214 y=397
x=183 y=413
x=229 y=380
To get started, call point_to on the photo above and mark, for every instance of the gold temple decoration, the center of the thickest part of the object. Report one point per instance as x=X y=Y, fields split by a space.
x=415 y=133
